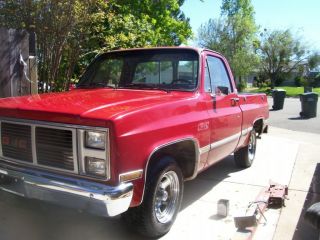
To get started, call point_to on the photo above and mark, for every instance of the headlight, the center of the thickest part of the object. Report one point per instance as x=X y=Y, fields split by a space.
x=95 y=166
x=95 y=140
x=94 y=152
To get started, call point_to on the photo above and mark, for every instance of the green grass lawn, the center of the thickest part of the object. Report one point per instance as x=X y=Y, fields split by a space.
x=290 y=91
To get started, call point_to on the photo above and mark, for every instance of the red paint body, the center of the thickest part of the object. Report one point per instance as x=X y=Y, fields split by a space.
x=142 y=120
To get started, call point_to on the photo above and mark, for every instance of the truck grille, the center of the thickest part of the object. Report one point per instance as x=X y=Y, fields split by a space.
x=16 y=141
x=53 y=147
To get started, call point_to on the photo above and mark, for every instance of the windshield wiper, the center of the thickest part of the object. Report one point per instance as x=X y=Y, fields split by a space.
x=93 y=85
x=144 y=86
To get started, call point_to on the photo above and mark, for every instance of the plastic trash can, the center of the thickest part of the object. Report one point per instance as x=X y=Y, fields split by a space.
x=307 y=89
x=308 y=104
x=278 y=96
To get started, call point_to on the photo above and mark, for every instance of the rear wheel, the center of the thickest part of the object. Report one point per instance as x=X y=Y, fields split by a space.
x=161 y=204
x=244 y=157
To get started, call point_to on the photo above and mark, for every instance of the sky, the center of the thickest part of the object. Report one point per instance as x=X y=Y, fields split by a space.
x=301 y=16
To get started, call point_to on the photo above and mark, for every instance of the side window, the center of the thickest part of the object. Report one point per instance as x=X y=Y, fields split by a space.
x=220 y=81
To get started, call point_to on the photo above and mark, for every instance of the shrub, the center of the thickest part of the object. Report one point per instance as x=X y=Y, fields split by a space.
x=305 y=82
x=317 y=81
x=268 y=91
x=266 y=83
x=241 y=85
x=298 y=81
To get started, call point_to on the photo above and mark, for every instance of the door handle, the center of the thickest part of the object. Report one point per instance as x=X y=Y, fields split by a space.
x=234 y=101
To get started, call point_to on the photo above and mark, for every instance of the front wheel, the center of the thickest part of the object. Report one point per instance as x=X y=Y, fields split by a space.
x=244 y=156
x=161 y=204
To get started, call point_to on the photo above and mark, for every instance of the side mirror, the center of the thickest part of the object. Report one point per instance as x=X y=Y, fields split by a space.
x=223 y=90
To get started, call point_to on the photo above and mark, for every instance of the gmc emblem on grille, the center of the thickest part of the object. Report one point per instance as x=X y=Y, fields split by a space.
x=15 y=142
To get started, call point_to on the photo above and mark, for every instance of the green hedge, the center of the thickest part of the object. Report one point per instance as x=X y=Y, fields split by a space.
x=291 y=91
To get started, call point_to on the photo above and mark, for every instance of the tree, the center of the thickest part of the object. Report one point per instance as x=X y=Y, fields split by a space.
x=281 y=53
x=313 y=61
x=63 y=28
x=233 y=34
x=71 y=33
x=211 y=35
x=153 y=23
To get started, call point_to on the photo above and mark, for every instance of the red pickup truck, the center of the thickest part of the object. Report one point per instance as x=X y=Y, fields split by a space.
x=139 y=123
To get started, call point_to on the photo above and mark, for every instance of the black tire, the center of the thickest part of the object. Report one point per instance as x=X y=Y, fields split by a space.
x=312 y=215
x=144 y=219
x=244 y=156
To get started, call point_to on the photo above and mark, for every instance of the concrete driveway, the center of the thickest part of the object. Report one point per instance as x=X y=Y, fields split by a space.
x=289 y=118
x=285 y=156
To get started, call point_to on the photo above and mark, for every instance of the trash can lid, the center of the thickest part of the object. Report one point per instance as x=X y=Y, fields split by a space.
x=281 y=90
x=310 y=94
x=309 y=97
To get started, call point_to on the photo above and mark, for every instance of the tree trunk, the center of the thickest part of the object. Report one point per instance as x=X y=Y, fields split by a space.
x=273 y=81
x=272 y=84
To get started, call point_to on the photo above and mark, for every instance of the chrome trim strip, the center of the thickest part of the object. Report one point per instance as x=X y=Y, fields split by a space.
x=24 y=163
x=131 y=172
x=44 y=123
x=33 y=126
x=74 y=151
x=225 y=140
x=219 y=143
x=195 y=172
x=246 y=131
x=0 y=139
x=79 y=147
x=205 y=149
x=33 y=145
x=78 y=167
x=200 y=151
x=96 y=198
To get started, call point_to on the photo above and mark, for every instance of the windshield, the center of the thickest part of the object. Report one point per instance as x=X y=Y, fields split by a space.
x=167 y=69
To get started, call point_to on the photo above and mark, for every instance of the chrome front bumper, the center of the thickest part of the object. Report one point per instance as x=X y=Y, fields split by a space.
x=95 y=198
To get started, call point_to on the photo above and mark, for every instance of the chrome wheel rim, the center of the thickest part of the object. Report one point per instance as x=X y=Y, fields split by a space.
x=167 y=195
x=252 y=146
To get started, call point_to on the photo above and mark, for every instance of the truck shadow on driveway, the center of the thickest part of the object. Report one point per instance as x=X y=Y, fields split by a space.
x=207 y=180
x=34 y=220
x=298 y=118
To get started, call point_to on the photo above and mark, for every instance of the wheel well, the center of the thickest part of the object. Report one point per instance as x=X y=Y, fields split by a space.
x=258 y=126
x=184 y=153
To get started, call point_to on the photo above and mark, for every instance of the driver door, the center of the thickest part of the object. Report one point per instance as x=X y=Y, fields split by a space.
x=223 y=107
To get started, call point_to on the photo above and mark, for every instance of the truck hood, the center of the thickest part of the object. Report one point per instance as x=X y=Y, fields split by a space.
x=99 y=104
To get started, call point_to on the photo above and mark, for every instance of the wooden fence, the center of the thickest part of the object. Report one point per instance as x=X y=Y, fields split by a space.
x=18 y=68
